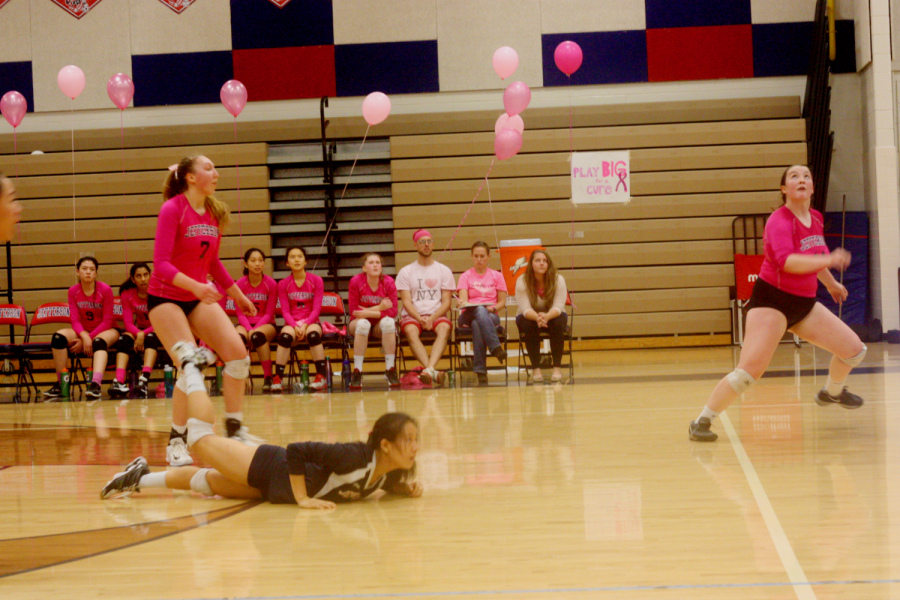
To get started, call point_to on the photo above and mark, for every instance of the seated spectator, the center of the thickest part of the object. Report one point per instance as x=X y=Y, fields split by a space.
x=373 y=309
x=482 y=294
x=541 y=295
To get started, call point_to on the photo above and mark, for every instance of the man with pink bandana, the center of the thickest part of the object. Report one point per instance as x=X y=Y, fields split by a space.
x=425 y=288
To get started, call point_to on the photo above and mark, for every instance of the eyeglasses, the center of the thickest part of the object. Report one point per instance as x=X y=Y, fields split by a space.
x=426 y=241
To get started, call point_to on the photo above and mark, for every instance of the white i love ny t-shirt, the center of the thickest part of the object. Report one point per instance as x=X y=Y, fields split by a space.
x=425 y=285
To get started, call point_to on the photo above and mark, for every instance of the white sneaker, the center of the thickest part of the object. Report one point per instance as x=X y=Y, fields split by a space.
x=244 y=436
x=177 y=454
x=186 y=352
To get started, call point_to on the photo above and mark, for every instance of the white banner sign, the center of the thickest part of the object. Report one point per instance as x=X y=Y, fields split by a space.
x=601 y=177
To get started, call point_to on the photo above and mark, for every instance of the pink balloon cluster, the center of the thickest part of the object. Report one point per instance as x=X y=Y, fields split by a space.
x=13 y=106
x=510 y=126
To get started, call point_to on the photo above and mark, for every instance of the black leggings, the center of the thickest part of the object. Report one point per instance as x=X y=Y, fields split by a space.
x=529 y=333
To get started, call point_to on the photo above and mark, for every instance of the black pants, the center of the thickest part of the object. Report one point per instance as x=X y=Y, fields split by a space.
x=529 y=333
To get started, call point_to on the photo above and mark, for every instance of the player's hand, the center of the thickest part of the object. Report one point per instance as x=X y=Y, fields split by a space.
x=139 y=342
x=76 y=347
x=247 y=307
x=416 y=489
x=838 y=292
x=300 y=330
x=840 y=259
x=207 y=294
x=315 y=503
x=386 y=304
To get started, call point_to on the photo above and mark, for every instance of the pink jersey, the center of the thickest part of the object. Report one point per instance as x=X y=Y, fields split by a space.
x=188 y=243
x=264 y=296
x=361 y=295
x=786 y=235
x=482 y=288
x=301 y=304
x=93 y=313
x=134 y=312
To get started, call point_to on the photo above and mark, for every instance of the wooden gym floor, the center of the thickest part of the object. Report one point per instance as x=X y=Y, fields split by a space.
x=579 y=491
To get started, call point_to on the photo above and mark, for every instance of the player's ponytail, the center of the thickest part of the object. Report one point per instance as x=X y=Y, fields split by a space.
x=220 y=211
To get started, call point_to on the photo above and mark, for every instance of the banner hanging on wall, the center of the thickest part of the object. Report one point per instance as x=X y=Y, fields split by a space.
x=601 y=177
x=2 y=2
x=77 y=8
x=280 y=3
x=178 y=6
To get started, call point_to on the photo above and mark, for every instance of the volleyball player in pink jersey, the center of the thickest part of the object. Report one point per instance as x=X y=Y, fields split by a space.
x=92 y=331
x=373 y=310
x=182 y=302
x=257 y=331
x=138 y=335
x=300 y=294
x=784 y=299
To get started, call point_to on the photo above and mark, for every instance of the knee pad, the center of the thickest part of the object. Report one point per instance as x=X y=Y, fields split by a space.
x=197 y=430
x=257 y=339
x=99 y=344
x=285 y=340
x=855 y=360
x=200 y=484
x=740 y=380
x=125 y=344
x=363 y=327
x=181 y=382
x=313 y=338
x=238 y=369
x=243 y=338
x=388 y=326
x=151 y=341
x=59 y=341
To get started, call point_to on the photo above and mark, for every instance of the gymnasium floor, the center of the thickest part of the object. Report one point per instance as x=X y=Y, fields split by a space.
x=583 y=491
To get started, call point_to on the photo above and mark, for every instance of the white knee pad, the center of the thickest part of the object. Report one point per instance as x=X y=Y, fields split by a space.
x=198 y=429
x=238 y=369
x=200 y=484
x=181 y=382
x=740 y=380
x=388 y=326
x=363 y=327
x=855 y=360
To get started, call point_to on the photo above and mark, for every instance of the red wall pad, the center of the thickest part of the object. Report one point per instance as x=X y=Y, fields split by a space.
x=691 y=53
x=286 y=73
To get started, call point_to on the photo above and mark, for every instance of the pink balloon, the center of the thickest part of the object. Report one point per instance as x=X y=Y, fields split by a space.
x=506 y=61
x=120 y=88
x=233 y=96
x=505 y=121
x=376 y=108
x=13 y=106
x=568 y=57
x=516 y=98
x=507 y=143
x=71 y=81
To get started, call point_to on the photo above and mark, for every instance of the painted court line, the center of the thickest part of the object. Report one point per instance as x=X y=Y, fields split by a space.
x=792 y=566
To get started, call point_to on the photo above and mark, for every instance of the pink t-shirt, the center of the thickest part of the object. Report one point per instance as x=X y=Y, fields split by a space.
x=360 y=295
x=93 y=313
x=786 y=235
x=186 y=242
x=425 y=285
x=134 y=312
x=301 y=304
x=264 y=296
x=482 y=288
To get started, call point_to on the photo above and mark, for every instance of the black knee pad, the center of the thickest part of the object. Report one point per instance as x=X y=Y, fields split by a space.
x=243 y=339
x=257 y=339
x=99 y=344
x=285 y=340
x=313 y=338
x=125 y=344
x=59 y=341
x=151 y=341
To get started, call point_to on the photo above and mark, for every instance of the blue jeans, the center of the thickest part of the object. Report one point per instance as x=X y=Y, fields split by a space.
x=484 y=334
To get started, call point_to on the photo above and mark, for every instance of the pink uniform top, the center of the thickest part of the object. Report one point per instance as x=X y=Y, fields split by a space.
x=264 y=296
x=786 y=235
x=360 y=295
x=482 y=288
x=93 y=313
x=134 y=312
x=186 y=242
x=301 y=304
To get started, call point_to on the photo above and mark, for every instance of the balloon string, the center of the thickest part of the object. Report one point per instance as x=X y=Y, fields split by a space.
x=344 y=191
x=237 y=171
x=125 y=203
x=496 y=237
x=465 y=216
x=16 y=152
x=72 y=115
x=571 y=153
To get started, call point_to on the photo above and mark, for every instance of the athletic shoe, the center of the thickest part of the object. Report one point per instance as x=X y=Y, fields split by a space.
x=54 y=392
x=392 y=379
x=319 y=383
x=201 y=356
x=439 y=377
x=699 y=430
x=236 y=431
x=482 y=379
x=127 y=482
x=94 y=390
x=845 y=399
x=177 y=454
x=426 y=376
x=499 y=353
x=275 y=388
x=356 y=380
x=267 y=385
x=117 y=390
x=142 y=384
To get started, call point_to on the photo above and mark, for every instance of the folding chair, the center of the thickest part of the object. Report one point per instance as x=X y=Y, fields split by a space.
x=428 y=338
x=14 y=315
x=333 y=307
x=545 y=346
x=462 y=337
x=53 y=312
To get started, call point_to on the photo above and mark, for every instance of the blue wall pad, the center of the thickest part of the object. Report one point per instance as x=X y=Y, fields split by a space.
x=856 y=278
x=392 y=68
x=664 y=14
x=783 y=48
x=17 y=76
x=609 y=57
x=188 y=78
x=261 y=24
